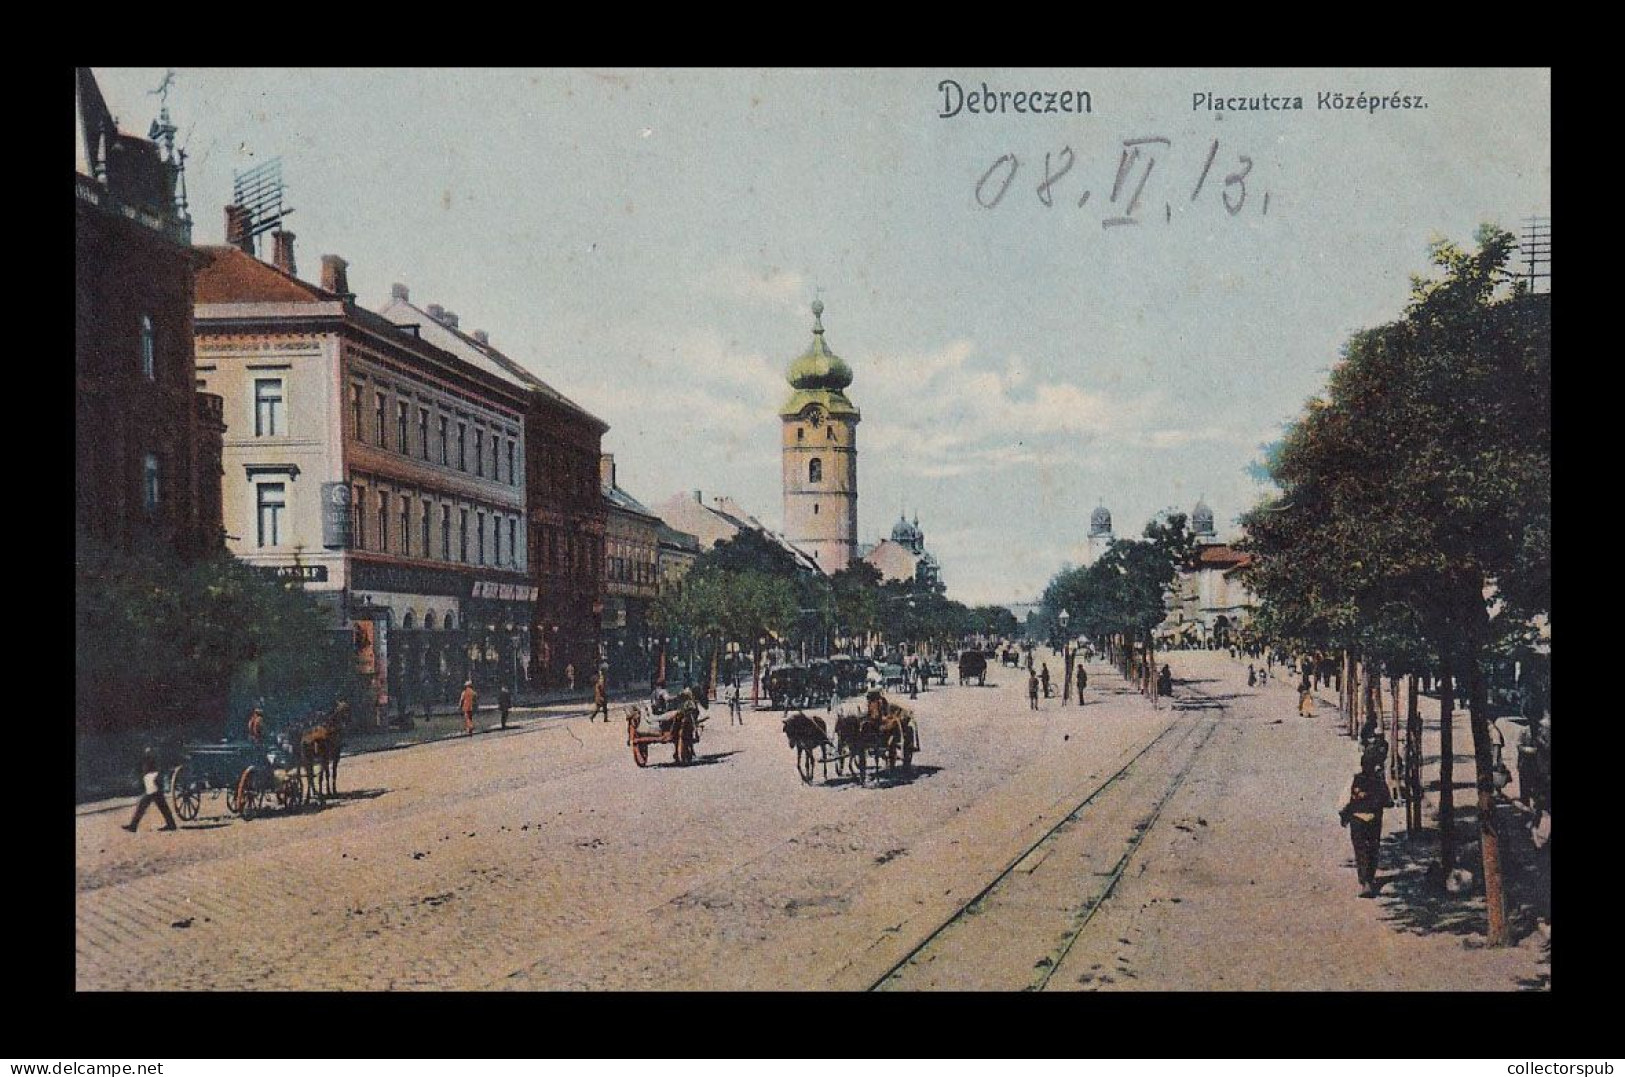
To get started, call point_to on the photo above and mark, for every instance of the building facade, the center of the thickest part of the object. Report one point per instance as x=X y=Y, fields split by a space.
x=1211 y=602
x=820 y=455
x=146 y=442
x=903 y=556
x=559 y=460
x=382 y=472
x=631 y=580
x=1100 y=535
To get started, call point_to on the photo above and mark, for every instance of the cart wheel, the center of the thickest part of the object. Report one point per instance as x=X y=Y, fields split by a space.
x=233 y=799
x=187 y=797
x=640 y=753
x=247 y=797
x=804 y=763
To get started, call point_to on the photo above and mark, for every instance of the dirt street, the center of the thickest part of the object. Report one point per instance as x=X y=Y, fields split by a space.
x=1191 y=846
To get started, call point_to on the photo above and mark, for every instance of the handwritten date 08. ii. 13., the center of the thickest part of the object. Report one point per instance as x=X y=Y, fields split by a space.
x=1138 y=160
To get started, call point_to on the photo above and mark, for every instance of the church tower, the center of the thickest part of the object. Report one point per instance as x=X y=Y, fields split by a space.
x=821 y=455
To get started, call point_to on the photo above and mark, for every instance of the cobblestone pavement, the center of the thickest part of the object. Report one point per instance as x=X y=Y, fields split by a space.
x=542 y=858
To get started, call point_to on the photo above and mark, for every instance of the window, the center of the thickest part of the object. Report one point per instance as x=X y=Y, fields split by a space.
x=815 y=508
x=268 y=407
x=513 y=544
x=462 y=446
x=510 y=462
x=149 y=349
x=426 y=508
x=151 y=482
x=444 y=457
x=406 y=525
x=355 y=411
x=496 y=541
x=462 y=535
x=400 y=425
x=358 y=505
x=383 y=521
x=273 y=498
x=495 y=462
x=445 y=532
x=480 y=536
x=423 y=438
x=829 y=433
x=801 y=433
x=815 y=470
x=383 y=441
x=479 y=453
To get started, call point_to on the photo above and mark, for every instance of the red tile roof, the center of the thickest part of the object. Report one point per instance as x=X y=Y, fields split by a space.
x=1222 y=556
x=227 y=275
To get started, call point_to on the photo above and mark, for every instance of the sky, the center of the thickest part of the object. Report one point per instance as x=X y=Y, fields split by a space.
x=649 y=242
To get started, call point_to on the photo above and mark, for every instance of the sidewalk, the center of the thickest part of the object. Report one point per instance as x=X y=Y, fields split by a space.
x=1247 y=883
x=1430 y=904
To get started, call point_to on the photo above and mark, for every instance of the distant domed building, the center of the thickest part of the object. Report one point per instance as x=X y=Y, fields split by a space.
x=1202 y=524
x=903 y=556
x=1212 y=601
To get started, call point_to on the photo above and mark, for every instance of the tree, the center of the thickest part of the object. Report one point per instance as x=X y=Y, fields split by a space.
x=1415 y=507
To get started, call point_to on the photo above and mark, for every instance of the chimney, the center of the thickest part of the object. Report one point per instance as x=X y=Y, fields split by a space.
x=282 y=256
x=437 y=312
x=335 y=276
x=606 y=470
x=450 y=319
x=237 y=223
x=698 y=500
x=482 y=336
x=399 y=291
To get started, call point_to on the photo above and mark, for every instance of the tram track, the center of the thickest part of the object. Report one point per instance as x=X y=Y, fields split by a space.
x=1025 y=891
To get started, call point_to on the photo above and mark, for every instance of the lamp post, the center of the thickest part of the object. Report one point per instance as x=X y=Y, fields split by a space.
x=1063 y=618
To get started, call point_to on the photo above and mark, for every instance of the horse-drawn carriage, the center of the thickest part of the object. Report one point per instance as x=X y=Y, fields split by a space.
x=850 y=674
x=791 y=685
x=972 y=667
x=1010 y=657
x=679 y=727
x=249 y=774
x=883 y=730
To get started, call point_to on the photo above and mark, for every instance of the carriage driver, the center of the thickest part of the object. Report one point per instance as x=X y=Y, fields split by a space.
x=256 y=725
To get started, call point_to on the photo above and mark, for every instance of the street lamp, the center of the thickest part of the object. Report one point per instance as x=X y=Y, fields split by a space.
x=1066 y=657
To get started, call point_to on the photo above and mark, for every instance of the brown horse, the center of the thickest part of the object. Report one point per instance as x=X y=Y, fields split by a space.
x=319 y=751
x=885 y=725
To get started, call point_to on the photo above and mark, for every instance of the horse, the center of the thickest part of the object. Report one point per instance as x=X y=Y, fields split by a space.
x=886 y=724
x=319 y=751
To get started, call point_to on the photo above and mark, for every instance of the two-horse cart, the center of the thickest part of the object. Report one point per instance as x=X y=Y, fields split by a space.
x=251 y=775
x=679 y=727
x=861 y=741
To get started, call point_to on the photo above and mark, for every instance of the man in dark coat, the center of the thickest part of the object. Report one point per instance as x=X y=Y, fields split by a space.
x=1368 y=796
x=1083 y=682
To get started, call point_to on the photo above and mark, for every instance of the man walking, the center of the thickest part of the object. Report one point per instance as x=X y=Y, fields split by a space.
x=600 y=699
x=1032 y=690
x=736 y=710
x=1306 y=695
x=504 y=703
x=1083 y=682
x=1368 y=796
x=467 y=703
x=1043 y=678
x=151 y=793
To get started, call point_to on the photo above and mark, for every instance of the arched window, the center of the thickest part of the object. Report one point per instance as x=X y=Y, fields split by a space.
x=815 y=470
x=451 y=621
x=428 y=620
x=149 y=348
x=410 y=621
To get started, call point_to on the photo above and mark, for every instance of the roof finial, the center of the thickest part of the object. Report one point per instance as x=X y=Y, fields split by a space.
x=818 y=315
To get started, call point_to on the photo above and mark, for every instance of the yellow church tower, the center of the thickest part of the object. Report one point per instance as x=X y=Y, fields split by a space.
x=821 y=455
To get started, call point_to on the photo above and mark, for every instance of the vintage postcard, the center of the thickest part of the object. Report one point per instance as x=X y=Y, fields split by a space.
x=813 y=529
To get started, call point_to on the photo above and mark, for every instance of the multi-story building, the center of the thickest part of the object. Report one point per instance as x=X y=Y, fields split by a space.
x=677 y=554
x=564 y=506
x=1210 y=601
x=631 y=579
x=903 y=556
x=147 y=443
x=381 y=471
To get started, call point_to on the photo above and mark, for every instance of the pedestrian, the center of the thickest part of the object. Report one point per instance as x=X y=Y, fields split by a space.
x=1165 y=682
x=504 y=702
x=736 y=708
x=1306 y=695
x=151 y=793
x=1368 y=796
x=1263 y=677
x=1252 y=676
x=256 y=726
x=1032 y=690
x=1043 y=678
x=1083 y=682
x=467 y=703
x=570 y=676
x=600 y=699
x=657 y=701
